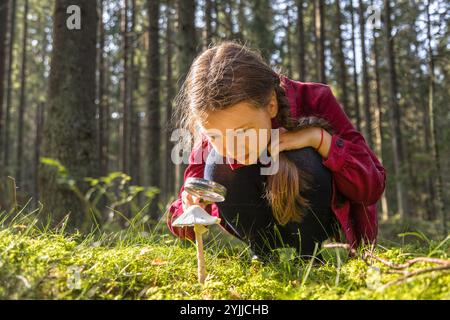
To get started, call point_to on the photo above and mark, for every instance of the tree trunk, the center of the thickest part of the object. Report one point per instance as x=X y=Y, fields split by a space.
x=394 y=114
x=433 y=129
x=379 y=122
x=355 y=74
x=135 y=169
x=208 y=23
x=102 y=155
x=366 y=80
x=4 y=5
x=301 y=42
x=153 y=103
x=228 y=14
x=69 y=130
x=288 y=41
x=22 y=103
x=37 y=150
x=241 y=19
x=316 y=33
x=320 y=36
x=341 y=59
x=168 y=164
x=12 y=33
x=125 y=90
x=187 y=44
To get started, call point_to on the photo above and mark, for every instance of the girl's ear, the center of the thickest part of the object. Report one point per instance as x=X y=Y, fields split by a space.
x=273 y=105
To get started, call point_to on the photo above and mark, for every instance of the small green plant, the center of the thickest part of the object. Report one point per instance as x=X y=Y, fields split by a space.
x=105 y=195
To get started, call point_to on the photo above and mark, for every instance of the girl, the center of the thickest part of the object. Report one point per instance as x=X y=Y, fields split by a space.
x=327 y=175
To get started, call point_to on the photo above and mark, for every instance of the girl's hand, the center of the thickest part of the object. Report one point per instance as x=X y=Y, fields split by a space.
x=189 y=200
x=308 y=137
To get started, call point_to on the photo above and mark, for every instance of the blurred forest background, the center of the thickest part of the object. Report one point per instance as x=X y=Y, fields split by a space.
x=84 y=113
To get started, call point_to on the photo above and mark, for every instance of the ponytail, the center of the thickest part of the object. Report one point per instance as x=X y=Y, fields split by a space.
x=283 y=189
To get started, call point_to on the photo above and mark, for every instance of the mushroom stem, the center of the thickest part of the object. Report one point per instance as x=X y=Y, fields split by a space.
x=200 y=257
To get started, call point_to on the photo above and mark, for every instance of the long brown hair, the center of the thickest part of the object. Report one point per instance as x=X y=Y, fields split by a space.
x=227 y=74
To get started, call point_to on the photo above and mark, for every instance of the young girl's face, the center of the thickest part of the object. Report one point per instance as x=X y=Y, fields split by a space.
x=241 y=131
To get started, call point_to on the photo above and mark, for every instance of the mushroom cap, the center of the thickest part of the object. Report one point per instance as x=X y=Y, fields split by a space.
x=195 y=215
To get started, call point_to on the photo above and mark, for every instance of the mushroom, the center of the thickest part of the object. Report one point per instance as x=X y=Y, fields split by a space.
x=197 y=217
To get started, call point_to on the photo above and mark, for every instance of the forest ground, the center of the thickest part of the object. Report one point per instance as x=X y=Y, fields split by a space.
x=43 y=263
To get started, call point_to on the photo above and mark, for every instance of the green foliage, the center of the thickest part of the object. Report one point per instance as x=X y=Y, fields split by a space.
x=111 y=191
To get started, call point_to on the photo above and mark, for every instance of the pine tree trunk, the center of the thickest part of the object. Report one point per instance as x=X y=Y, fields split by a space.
x=102 y=156
x=22 y=103
x=228 y=13
x=187 y=44
x=433 y=129
x=355 y=74
x=301 y=42
x=135 y=169
x=394 y=114
x=320 y=29
x=12 y=33
x=208 y=23
x=366 y=80
x=427 y=147
x=153 y=103
x=125 y=89
x=288 y=41
x=379 y=122
x=316 y=33
x=4 y=5
x=69 y=130
x=341 y=59
x=37 y=150
x=241 y=19
x=170 y=169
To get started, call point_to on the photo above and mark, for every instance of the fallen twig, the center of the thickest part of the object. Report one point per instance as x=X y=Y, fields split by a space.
x=398 y=268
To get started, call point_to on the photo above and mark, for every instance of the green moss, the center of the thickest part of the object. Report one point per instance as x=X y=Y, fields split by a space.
x=54 y=266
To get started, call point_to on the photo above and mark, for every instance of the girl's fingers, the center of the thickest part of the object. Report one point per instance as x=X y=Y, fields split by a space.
x=274 y=148
x=188 y=200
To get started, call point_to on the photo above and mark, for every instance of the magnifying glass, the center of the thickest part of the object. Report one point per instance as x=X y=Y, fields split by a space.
x=207 y=190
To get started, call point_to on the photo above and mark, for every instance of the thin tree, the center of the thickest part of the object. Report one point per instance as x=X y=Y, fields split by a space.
x=341 y=58
x=153 y=101
x=168 y=164
x=135 y=146
x=433 y=129
x=365 y=72
x=320 y=37
x=187 y=50
x=125 y=89
x=241 y=21
x=288 y=40
x=208 y=32
x=394 y=113
x=315 y=32
x=228 y=12
x=37 y=149
x=22 y=103
x=355 y=74
x=9 y=92
x=3 y=31
x=101 y=87
x=301 y=41
x=379 y=117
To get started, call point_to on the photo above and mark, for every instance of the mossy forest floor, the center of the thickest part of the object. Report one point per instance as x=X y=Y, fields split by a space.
x=39 y=263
